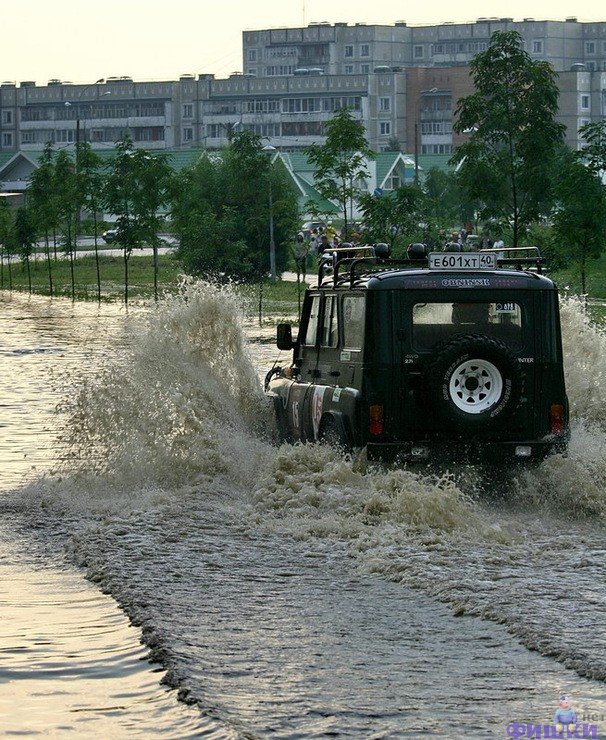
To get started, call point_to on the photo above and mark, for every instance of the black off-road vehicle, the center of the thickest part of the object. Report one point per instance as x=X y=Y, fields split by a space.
x=449 y=357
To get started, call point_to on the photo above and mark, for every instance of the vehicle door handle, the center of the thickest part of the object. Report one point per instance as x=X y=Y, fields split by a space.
x=335 y=373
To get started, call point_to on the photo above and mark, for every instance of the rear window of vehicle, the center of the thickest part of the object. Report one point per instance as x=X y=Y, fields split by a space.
x=353 y=321
x=433 y=323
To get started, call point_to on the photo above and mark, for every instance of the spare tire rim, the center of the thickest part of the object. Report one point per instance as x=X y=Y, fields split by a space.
x=475 y=386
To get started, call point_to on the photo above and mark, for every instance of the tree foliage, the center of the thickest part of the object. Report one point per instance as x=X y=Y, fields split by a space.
x=594 y=151
x=6 y=249
x=43 y=202
x=24 y=237
x=340 y=163
x=220 y=211
x=393 y=216
x=136 y=186
x=448 y=203
x=514 y=136
x=580 y=216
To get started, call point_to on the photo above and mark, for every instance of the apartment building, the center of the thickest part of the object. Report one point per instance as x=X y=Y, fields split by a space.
x=403 y=82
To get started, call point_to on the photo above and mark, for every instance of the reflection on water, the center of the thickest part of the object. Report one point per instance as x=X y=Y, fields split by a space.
x=72 y=664
x=70 y=661
x=290 y=592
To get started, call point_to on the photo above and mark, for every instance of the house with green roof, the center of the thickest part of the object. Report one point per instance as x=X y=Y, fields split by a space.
x=386 y=171
x=17 y=167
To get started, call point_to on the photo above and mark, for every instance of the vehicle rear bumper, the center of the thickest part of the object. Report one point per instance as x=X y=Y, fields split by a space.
x=467 y=452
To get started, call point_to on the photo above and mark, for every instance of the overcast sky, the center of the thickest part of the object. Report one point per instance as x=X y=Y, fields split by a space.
x=81 y=41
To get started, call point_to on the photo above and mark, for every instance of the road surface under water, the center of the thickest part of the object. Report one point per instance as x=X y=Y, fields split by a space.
x=286 y=591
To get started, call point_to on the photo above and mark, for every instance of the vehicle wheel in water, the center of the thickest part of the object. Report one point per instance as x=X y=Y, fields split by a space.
x=332 y=432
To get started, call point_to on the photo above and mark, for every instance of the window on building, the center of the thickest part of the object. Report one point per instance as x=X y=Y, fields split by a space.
x=7 y=139
x=188 y=134
x=438 y=49
x=28 y=137
x=7 y=116
x=537 y=47
x=591 y=66
x=188 y=110
x=149 y=133
x=65 y=135
x=252 y=55
x=384 y=128
x=301 y=105
x=279 y=70
x=385 y=104
x=584 y=102
x=365 y=69
x=364 y=50
x=418 y=52
x=393 y=182
x=590 y=47
x=436 y=149
x=251 y=71
x=97 y=135
x=349 y=70
x=349 y=51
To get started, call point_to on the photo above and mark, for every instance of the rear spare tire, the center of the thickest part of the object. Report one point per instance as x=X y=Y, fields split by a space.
x=474 y=383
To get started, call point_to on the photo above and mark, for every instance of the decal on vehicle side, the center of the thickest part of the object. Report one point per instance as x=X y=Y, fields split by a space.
x=336 y=395
x=316 y=408
x=526 y=359
x=345 y=356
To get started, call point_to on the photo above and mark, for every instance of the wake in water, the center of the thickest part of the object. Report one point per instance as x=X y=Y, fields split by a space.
x=180 y=417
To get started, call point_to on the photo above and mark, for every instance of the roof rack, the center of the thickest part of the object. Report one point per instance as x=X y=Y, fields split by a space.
x=335 y=278
x=534 y=259
x=331 y=259
x=350 y=258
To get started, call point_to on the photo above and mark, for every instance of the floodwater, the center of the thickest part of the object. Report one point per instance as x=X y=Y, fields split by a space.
x=280 y=591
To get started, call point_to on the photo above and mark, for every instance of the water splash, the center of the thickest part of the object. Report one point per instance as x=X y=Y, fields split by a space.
x=179 y=405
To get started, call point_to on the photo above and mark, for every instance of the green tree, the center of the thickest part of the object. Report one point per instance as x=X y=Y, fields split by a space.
x=514 y=136
x=90 y=188
x=448 y=204
x=580 y=216
x=24 y=237
x=206 y=230
x=340 y=163
x=42 y=199
x=136 y=187
x=65 y=185
x=594 y=151
x=394 y=215
x=251 y=189
x=6 y=224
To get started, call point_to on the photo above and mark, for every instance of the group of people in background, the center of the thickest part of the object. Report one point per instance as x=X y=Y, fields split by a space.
x=320 y=239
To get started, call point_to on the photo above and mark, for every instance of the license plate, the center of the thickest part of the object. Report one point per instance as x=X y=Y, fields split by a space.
x=462 y=261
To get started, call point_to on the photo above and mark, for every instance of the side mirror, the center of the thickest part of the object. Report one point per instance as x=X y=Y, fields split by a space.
x=284 y=340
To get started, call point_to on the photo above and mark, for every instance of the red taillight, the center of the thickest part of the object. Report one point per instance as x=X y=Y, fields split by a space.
x=556 y=418
x=376 y=419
